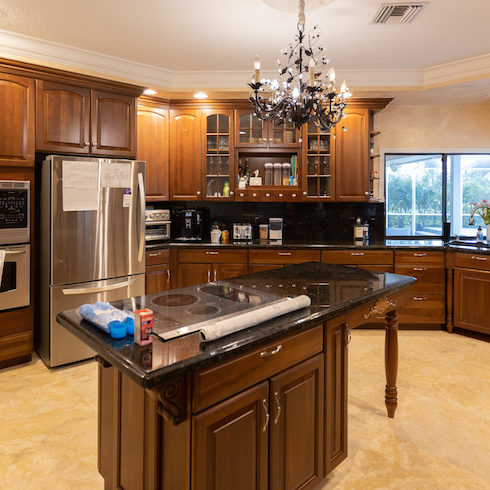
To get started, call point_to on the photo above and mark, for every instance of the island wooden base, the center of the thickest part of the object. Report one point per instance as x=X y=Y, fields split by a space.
x=271 y=418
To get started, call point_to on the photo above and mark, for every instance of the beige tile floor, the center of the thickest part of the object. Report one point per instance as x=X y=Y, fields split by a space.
x=439 y=439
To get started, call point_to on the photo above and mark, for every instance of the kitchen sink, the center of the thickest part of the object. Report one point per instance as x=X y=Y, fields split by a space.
x=469 y=243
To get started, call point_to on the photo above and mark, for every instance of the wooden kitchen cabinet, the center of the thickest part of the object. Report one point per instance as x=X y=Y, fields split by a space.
x=378 y=260
x=262 y=260
x=218 y=155
x=206 y=265
x=185 y=155
x=427 y=296
x=158 y=271
x=471 y=291
x=153 y=148
x=80 y=120
x=17 y=114
x=352 y=157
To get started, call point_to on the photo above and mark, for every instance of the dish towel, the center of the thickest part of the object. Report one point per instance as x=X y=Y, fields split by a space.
x=2 y=261
x=252 y=318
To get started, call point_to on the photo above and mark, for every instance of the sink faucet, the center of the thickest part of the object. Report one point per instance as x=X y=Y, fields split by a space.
x=473 y=212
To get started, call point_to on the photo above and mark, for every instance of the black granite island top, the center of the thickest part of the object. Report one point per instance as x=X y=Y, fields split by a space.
x=333 y=290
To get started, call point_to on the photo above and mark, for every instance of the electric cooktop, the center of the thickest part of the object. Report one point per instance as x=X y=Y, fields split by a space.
x=188 y=310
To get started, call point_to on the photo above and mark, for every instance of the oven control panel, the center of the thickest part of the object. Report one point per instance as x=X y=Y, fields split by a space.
x=14 y=212
x=157 y=215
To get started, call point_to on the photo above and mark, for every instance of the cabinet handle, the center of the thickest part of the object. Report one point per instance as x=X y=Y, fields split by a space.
x=305 y=193
x=281 y=195
x=267 y=195
x=284 y=253
x=154 y=254
x=242 y=194
x=231 y=193
x=87 y=143
x=215 y=274
x=212 y=253
x=94 y=144
x=198 y=193
x=209 y=275
x=419 y=298
x=168 y=275
x=420 y=268
x=479 y=258
x=279 y=409
x=272 y=352
x=293 y=195
x=419 y=254
x=357 y=253
x=264 y=404
x=366 y=193
x=271 y=139
x=254 y=194
x=349 y=332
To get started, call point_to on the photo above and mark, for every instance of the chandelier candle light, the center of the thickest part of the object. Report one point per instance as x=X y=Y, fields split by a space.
x=290 y=98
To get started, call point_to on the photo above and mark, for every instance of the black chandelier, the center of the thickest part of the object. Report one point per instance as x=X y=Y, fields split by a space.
x=290 y=98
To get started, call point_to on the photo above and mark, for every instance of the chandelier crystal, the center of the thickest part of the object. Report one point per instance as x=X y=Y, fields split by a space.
x=300 y=94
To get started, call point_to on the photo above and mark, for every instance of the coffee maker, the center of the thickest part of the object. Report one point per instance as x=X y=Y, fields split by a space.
x=187 y=224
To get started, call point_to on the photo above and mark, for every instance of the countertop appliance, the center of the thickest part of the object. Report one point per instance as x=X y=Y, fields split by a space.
x=157 y=226
x=15 y=252
x=92 y=247
x=275 y=228
x=242 y=232
x=187 y=224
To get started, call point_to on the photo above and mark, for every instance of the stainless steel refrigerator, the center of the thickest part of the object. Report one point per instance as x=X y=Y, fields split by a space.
x=92 y=244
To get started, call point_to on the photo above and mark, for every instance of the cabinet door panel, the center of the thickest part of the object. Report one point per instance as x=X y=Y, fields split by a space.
x=157 y=278
x=351 y=157
x=185 y=155
x=193 y=274
x=113 y=124
x=16 y=120
x=62 y=118
x=296 y=450
x=226 y=271
x=430 y=278
x=230 y=448
x=153 y=146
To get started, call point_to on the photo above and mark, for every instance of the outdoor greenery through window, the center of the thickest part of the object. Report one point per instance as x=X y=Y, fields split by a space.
x=424 y=190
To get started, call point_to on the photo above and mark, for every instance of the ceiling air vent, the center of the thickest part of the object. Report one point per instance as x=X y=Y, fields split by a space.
x=397 y=13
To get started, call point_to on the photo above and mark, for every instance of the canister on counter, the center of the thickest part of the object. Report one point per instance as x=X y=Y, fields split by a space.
x=143 y=326
x=225 y=236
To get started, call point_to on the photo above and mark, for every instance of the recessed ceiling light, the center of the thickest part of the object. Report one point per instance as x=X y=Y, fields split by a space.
x=201 y=95
x=149 y=91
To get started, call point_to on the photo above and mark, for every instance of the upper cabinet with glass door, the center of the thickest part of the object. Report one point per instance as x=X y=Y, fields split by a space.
x=218 y=165
x=318 y=171
x=252 y=132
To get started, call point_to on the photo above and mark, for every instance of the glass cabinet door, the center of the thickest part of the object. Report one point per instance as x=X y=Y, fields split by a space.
x=318 y=168
x=284 y=135
x=218 y=141
x=251 y=131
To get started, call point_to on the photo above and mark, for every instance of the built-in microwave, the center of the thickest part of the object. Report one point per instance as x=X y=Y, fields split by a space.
x=157 y=225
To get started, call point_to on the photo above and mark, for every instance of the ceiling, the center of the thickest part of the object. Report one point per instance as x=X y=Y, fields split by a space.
x=177 y=48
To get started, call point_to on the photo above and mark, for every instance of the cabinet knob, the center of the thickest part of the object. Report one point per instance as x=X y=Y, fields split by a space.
x=281 y=195
x=267 y=195
x=198 y=193
x=87 y=143
x=231 y=193
x=254 y=194
x=241 y=194
x=94 y=144
x=271 y=139
x=366 y=193
x=305 y=193
x=293 y=195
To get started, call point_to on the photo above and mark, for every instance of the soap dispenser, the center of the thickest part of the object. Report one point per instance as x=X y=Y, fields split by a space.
x=479 y=235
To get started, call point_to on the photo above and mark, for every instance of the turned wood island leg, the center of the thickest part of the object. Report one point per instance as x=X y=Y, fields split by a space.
x=391 y=361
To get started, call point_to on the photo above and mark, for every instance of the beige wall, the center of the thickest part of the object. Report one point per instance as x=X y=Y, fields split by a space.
x=442 y=127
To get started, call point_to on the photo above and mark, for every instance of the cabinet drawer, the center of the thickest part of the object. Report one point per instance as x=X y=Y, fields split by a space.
x=421 y=257
x=357 y=257
x=424 y=308
x=215 y=256
x=156 y=257
x=430 y=278
x=216 y=383
x=283 y=256
x=472 y=261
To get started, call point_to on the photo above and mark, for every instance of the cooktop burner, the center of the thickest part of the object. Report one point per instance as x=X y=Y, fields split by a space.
x=172 y=300
x=177 y=314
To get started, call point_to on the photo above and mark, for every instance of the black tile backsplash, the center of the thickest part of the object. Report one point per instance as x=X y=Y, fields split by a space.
x=313 y=222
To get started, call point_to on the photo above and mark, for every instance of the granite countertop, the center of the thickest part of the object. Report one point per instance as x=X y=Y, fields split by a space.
x=333 y=290
x=469 y=246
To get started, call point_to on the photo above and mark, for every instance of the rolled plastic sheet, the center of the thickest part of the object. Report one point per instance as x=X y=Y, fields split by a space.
x=220 y=328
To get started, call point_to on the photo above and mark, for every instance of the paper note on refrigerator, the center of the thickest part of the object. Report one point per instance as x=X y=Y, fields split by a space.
x=80 y=186
x=115 y=175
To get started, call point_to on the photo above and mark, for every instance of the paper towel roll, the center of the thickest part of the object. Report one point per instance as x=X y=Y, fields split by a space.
x=252 y=318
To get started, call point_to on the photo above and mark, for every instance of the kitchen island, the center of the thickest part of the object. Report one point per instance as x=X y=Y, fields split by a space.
x=265 y=407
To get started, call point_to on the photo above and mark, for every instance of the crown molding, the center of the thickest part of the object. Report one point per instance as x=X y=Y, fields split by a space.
x=17 y=46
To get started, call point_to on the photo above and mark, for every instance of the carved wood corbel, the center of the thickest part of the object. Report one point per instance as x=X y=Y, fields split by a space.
x=171 y=397
x=381 y=306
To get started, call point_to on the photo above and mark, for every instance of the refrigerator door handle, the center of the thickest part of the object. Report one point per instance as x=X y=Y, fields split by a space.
x=141 y=185
x=99 y=289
